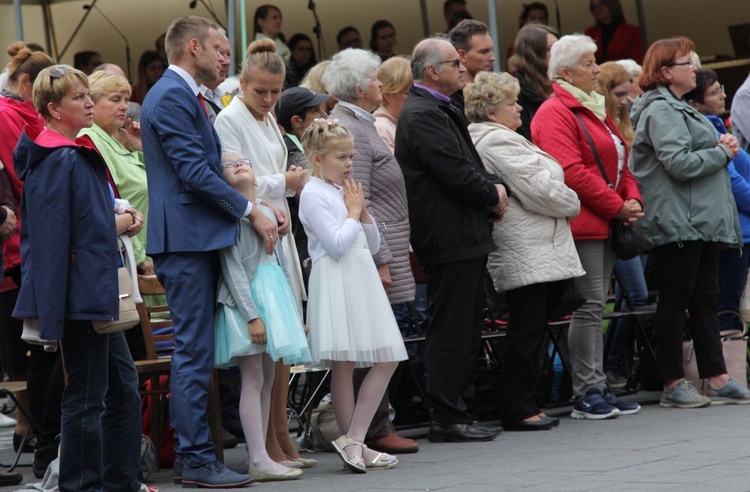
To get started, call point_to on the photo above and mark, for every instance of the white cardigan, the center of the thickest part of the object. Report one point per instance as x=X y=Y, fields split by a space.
x=534 y=242
x=240 y=133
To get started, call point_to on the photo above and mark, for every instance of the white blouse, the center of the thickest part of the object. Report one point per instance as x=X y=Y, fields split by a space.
x=323 y=213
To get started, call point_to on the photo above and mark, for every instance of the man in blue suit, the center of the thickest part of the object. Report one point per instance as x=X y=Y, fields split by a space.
x=192 y=213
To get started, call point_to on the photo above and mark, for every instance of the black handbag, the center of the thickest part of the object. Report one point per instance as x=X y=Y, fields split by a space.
x=621 y=237
x=564 y=298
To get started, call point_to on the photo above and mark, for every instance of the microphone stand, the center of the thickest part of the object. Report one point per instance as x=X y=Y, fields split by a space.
x=127 y=44
x=317 y=29
x=211 y=11
x=75 y=31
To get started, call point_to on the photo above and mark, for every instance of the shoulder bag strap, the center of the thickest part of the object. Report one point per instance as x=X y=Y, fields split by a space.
x=593 y=149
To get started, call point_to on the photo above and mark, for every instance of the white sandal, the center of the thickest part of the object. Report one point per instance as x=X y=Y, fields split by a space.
x=354 y=463
x=383 y=461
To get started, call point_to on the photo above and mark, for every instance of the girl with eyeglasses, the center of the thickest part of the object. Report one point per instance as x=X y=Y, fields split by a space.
x=257 y=324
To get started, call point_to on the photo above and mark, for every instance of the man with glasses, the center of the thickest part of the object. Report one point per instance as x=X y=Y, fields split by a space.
x=452 y=204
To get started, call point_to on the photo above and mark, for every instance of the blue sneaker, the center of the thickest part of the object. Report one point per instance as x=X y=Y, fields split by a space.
x=625 y=407
x=213 y=475
x=593 y=407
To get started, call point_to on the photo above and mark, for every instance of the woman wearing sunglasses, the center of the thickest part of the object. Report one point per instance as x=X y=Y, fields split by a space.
x=69 y=270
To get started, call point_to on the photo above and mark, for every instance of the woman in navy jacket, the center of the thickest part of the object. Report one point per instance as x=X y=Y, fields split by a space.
x=69 y=270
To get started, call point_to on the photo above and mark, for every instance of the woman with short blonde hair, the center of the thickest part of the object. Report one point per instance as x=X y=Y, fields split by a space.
x=118 y=140
x=535 y=252
x=395 y=75
x=66 y=196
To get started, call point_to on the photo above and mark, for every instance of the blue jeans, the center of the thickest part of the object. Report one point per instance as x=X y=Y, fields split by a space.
x=631 y=293
x=733 y=264
x=100 y=450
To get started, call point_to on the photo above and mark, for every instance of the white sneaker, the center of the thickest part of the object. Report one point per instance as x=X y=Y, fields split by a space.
x=6 y=421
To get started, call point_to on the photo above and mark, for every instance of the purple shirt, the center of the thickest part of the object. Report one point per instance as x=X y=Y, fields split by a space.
x=435 y=93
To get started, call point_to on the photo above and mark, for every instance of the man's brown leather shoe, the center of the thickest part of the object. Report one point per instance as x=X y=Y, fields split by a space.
x=394 y=444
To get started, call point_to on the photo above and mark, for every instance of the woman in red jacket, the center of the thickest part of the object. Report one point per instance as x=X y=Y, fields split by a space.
x=17 y=115
x=615 y=39
x=560 y=128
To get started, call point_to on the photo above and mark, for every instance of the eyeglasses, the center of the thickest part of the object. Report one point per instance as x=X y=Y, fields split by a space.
x=715 y=92
x=56 y=72
x=690 y=64
x=233 y=164
x=455 y=62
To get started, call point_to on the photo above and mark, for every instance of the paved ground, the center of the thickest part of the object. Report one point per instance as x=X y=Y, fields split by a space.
x=659 y=449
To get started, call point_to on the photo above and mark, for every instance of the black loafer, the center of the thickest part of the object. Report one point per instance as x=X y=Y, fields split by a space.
x=523 y=425
x=460 y=433
x=555 y=420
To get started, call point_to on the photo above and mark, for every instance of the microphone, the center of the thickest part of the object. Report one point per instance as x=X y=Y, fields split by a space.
x=125 y=38
x=311 y=5
x=193 y=4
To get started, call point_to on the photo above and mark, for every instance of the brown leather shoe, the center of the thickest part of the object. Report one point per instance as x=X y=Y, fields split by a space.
x=394 y=444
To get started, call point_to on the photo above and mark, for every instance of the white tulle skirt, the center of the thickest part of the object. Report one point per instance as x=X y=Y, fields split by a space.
x=348 y=312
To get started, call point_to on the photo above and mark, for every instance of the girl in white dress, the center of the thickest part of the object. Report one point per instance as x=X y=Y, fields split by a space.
x=350 y=319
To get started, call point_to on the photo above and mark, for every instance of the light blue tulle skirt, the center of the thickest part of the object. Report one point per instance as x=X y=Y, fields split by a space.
x=277 y=308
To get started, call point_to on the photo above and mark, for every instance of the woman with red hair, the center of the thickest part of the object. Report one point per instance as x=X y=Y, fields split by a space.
x=681 y=166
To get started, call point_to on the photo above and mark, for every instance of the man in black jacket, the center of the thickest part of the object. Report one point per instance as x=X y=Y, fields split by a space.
x=452 y=204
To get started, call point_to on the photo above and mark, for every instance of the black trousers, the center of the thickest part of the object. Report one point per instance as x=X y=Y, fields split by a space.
x=456 y=296
x=687 y=279
x=522 y=361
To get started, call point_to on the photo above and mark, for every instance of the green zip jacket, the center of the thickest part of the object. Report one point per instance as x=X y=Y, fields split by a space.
x=682 y=174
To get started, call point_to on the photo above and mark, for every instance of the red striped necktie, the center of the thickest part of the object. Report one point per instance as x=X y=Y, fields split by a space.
x=202 y=100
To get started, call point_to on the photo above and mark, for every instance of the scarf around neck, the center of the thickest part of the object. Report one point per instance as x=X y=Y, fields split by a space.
x=593 y=100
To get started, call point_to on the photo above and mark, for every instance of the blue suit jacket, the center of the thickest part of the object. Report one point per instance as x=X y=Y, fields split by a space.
x=191 y=207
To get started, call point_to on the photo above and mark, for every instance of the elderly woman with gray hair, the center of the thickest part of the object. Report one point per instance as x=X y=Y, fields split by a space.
x=573 y=126
x=352 y=79
x=535 y=250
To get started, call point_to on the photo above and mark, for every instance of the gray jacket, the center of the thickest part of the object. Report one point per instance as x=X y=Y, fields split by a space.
x=682 y=174
x=385 y=192
x=239 y=264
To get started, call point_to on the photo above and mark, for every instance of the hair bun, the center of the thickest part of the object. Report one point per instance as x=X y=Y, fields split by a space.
x=19 y=49
x=261 y=46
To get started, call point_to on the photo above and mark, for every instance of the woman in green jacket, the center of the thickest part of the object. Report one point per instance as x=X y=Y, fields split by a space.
x=120 y=146
x=681 y=167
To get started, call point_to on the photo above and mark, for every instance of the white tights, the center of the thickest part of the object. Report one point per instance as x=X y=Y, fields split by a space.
x=354 y=419
x=257 y=373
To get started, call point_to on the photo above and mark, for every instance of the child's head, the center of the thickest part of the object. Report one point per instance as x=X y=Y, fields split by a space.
x=329 y=147
x=238 y=173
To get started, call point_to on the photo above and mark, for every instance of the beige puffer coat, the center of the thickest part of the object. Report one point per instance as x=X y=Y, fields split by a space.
x=534 y=242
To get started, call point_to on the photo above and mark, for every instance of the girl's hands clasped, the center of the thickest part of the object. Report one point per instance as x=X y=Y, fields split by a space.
x=354 y=198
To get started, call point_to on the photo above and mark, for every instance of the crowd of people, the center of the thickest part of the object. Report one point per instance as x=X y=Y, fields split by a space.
x=286 y=210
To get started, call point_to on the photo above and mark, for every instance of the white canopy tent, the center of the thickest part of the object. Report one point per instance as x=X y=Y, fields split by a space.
x=231 y=6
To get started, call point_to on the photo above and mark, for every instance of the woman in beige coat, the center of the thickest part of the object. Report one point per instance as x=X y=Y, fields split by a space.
x=535 y=245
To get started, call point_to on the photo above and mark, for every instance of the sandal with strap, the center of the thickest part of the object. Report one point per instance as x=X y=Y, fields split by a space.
x=383 y=461
x=354 y=463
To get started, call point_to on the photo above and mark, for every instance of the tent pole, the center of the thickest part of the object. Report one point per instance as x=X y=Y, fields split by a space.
x=19 y=19
x=492 y=10
x=243 y=28
x=232 y=33
x=642 y=23
x=425 y=18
